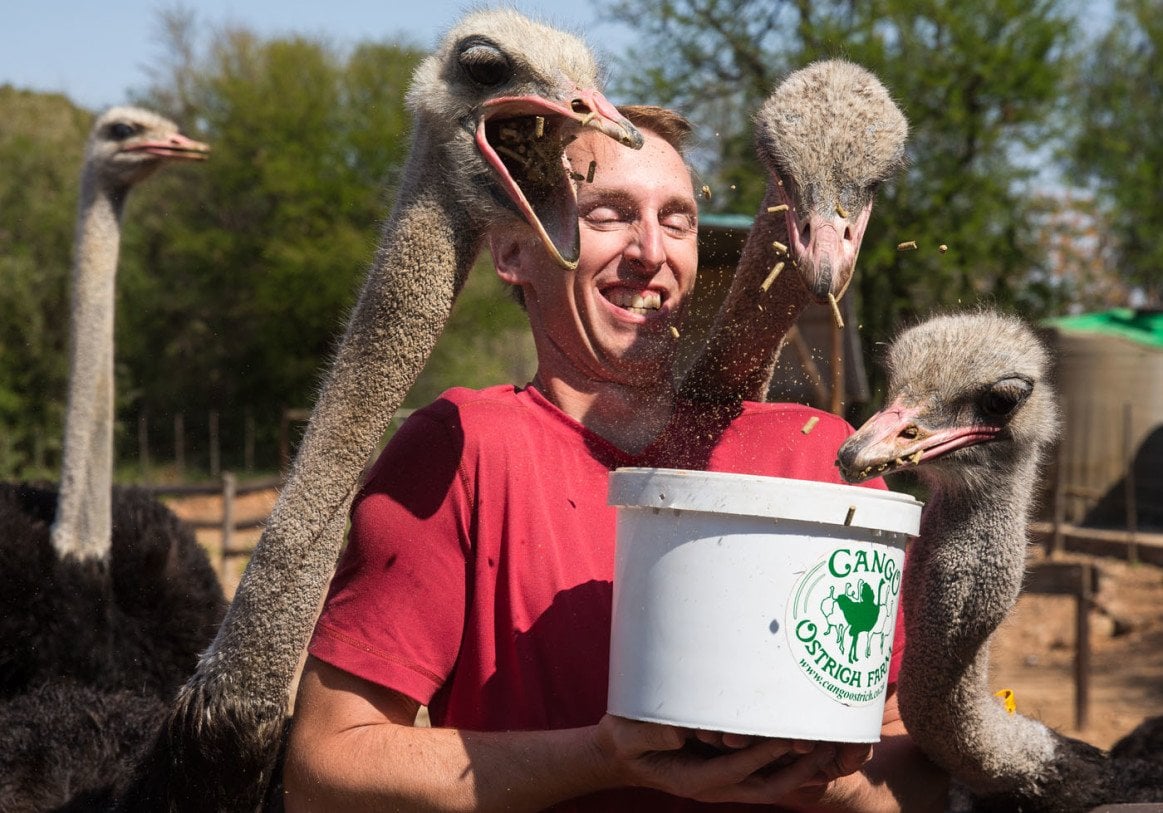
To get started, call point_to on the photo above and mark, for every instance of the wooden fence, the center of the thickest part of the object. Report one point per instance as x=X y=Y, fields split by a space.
x=229 y=490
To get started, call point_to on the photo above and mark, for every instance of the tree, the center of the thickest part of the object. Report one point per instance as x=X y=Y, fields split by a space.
x=979 y=90
x=1117 y=146
x=236 y=274
x=42 y=141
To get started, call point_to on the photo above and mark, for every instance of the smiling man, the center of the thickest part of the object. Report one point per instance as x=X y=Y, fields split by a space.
x=477 y=578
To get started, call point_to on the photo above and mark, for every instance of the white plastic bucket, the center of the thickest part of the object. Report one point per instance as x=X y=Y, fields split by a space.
x=755 y=605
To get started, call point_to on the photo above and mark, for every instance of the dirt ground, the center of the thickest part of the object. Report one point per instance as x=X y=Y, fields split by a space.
x=1033 y=652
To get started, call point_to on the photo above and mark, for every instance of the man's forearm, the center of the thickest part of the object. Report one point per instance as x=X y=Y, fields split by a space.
x=387 y=766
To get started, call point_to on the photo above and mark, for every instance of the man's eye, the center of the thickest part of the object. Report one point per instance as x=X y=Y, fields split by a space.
x=605 y=214
x=678 y=223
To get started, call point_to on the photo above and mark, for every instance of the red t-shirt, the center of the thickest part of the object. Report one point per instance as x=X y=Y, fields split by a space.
x=478 y=573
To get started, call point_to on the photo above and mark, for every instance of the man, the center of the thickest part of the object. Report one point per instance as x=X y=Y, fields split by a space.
x=477 y=579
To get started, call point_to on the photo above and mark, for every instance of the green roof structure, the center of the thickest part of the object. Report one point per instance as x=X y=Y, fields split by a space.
x=1140 y=326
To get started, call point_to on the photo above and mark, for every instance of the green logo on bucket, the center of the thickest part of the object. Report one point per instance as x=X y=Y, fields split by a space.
x=841 y=619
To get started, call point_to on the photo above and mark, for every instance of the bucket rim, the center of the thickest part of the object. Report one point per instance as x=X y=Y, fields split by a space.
x=758 y=495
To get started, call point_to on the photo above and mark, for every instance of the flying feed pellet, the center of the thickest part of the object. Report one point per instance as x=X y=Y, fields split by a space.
x=771 y=277
x=836 y=317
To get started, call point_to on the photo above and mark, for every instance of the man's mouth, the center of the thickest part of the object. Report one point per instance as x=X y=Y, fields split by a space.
x=639 y=302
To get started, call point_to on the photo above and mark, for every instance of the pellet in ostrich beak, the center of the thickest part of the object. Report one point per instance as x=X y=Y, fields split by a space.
x=538 y=126
x=771 y=277
x=836 y=317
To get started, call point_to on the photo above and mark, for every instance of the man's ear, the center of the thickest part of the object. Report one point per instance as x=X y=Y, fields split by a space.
x=511 y=254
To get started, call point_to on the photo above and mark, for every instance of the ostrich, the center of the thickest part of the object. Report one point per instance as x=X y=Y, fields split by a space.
x=98 y=584
x=493 y=108
x=970 y=408
x=828 y=136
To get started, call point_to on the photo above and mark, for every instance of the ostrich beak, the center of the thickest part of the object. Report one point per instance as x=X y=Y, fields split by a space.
x=896 y=438
x=523 y=138
x=824 y=245
x=176 y=147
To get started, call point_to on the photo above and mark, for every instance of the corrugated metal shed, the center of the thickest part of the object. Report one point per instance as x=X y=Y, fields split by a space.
x=1109 y=372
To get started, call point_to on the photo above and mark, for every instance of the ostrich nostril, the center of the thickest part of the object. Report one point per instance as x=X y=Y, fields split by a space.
x=846 y=455
x=848 y=234
x=579 y=106
x=910 y=432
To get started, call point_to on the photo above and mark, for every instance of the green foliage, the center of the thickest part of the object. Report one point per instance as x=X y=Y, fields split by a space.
x=237 y=275
x=1117 y=145
x=41 y=146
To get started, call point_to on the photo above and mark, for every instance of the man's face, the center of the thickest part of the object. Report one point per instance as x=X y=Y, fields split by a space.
x=614 y=318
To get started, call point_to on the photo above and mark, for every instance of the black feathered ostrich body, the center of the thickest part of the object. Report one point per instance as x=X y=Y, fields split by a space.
x=969 y=406
x=828 y=136
x=493 y=108
x=106 y=600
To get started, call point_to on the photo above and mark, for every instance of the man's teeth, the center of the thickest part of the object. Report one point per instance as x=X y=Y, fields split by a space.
x=637 y=302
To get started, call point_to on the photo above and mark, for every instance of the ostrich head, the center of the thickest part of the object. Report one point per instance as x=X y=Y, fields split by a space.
x=968 y=402
x=127 y=144
x=515 y=92
x=829 y=135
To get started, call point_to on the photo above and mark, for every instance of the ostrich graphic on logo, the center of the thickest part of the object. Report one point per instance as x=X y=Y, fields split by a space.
x=860 y=608
x=840 y=621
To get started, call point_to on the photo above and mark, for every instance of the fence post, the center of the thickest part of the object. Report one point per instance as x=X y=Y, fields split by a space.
x=229 y=490
x=1083 y=600
x=1057 y=536
x=180 y=445
x=248 y=442
x=215 y=451
x=143 y=444
x=1129 y=484
x=38 y=449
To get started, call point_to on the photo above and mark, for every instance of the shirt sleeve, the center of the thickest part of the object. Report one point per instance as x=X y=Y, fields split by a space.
x=395 y=610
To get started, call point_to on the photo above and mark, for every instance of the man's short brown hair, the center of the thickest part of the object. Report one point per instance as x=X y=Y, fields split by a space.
x=669 y=125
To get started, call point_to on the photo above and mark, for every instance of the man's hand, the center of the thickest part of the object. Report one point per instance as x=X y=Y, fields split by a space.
x=728 y=768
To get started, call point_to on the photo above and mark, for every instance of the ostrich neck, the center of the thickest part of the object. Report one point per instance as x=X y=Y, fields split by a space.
x=83 y=519
x=739 y=358
x=426 y=250
x=963 y=577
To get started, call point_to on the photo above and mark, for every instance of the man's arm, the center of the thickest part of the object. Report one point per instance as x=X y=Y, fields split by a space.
x=353 y=748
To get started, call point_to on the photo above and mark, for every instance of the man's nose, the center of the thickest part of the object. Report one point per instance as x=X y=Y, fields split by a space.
x=646 y=245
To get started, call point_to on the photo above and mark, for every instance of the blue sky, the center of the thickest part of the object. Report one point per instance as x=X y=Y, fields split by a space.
x=94 y=52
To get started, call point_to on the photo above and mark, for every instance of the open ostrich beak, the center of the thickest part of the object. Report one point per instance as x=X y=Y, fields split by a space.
x=824 y=245
x=175 y=147
x=896 y=438
x=523 y=138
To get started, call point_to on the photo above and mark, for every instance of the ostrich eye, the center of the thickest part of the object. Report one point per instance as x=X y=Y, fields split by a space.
x=1004 y=397
x=484 y=63
x=121 y=131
